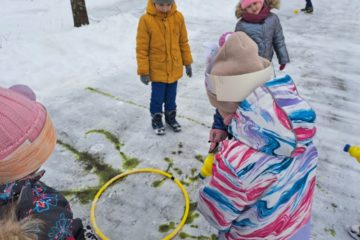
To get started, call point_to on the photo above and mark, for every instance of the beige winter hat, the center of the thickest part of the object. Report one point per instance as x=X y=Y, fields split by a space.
x=237 y=71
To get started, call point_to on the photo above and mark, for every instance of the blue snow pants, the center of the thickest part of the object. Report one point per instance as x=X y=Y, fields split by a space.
x=308 y=3
x=163 y=94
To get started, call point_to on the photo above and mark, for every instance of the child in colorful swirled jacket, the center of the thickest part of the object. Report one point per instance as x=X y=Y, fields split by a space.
x=263 y=179
x=29 y=209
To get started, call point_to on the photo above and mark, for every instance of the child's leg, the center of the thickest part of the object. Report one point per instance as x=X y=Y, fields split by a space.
x=170 y=107
x=170 y=97
x=157 y=97
x=309 y=4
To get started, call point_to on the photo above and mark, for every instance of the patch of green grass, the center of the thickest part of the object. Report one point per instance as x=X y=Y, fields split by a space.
x=193 y=214
x=193 y=178
x=85 y=196
x=158 y=183
x=111 y=137
x=92 y=163
x=101 y=92
x=129 y=163
x=106 y=94
x=330 y=231
x=184 y=235
x=200 y=158
x=167 y=227
x=178 y=171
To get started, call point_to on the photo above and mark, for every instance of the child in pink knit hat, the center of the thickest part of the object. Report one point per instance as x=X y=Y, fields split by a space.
x=29 y=209
x=264 y=28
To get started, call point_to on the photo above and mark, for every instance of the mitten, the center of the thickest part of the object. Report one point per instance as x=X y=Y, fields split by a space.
x=216 y=136
x=145 y=79
x=188 y=71
x=282 y=67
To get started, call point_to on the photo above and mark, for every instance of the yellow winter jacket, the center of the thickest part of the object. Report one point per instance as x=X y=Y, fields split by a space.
x=162 y=45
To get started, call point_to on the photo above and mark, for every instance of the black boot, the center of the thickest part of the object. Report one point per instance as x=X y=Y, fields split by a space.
x=157 y=124
x=170 y=119
x=308 y=9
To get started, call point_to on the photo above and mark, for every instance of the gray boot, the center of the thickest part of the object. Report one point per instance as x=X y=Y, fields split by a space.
x=354 y=232
x=157 y=124
x=170 y=119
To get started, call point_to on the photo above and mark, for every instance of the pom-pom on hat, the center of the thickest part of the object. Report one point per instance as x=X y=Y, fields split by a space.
x=27 y=136
x=236 y=72
x=224 y=37
x=246 y=3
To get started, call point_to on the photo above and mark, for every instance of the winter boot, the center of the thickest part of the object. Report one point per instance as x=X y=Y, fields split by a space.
x=308 y=10
x=157 y=124
x=354 y=231
x=170 y=119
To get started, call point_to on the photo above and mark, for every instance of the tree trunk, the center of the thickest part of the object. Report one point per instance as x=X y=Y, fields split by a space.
x=79 y=13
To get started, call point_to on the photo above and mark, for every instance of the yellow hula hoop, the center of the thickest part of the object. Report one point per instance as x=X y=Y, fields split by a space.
x=142 y=170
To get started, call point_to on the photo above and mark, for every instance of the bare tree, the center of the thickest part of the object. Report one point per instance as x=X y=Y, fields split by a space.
x=79 y=13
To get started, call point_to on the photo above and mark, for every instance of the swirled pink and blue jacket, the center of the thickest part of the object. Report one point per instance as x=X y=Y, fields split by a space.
x=263 y=179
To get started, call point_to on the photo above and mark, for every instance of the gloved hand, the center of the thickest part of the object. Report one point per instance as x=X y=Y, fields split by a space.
x=216 y=136
x=282 y=67
x=188 y=71
x=145 y=79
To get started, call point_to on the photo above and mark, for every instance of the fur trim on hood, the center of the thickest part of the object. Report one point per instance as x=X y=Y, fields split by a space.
x=11 y=228
x=270 y=3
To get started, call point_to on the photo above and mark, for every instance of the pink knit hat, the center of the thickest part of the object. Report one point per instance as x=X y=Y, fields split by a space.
x=246 y=3
x=27 y=136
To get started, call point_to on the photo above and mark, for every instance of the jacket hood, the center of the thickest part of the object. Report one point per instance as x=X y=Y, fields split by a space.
x=150 y=9
x=12 y=228
x=275 y=120
x=270 y=3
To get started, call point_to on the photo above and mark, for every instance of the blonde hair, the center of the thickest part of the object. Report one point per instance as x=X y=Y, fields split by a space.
x=270 y=3
x=13 y=229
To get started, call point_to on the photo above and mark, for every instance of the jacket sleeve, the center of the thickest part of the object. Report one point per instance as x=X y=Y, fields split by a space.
x=184 y=43
x=238 y=27
x=52 y=209
x=142 y=48
x=279 y=43
x=223 y=199
x=218 y=122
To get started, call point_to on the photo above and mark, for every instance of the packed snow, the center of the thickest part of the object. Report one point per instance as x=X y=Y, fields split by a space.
x=86 y=77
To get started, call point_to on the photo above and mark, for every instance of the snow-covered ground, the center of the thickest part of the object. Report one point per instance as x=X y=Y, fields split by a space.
x=87 y=79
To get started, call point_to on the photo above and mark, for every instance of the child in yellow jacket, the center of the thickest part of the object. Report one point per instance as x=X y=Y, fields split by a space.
x=162 y=49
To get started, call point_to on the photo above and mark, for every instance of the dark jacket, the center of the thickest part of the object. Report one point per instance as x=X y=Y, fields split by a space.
x=268 y=36
x=36 y=199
